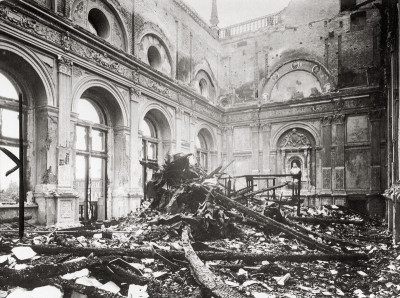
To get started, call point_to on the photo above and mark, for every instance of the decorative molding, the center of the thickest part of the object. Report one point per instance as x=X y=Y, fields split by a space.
x=14 y=17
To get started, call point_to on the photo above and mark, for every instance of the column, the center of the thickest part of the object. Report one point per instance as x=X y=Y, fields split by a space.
x=179 y=127
x=254 y=147
x=375 y=119
x=339 y=171
x=120 y=173
x=326 y=158
x=375 y=203
x=266 y=148
x=136 y=188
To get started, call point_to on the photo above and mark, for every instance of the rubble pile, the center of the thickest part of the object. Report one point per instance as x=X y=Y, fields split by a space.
x=190 y=240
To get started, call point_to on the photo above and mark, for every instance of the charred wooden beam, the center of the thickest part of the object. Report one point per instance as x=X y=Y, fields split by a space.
x=203 y=274
x=322 y=220
x=14 y=219
x=28 y=276
x=171 y=254
x=267 y=222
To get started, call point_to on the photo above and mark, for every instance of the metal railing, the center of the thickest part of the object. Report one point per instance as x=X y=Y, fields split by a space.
x=267 y=185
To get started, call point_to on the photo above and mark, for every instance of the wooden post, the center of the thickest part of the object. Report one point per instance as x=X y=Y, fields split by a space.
x=21 y=171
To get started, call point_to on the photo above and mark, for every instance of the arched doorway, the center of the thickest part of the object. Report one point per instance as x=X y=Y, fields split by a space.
x=91 y=160
x=101 y=154
x=155 y=132
x=22 y=76
x=9 y=139
x=204 y=145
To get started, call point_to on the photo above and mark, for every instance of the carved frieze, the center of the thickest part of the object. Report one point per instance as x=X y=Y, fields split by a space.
x=339 y=105
x=16 y=18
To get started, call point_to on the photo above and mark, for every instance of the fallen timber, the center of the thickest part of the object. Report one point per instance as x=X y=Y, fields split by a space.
x=179 y=255
x=323 y=236
x=317 y=220
x=14 y=219
x=30 y=275
x=203 y=274
x=268 y=222
x=70 y=286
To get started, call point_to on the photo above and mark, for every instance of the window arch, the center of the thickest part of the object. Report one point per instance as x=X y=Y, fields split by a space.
x=91 y=159
x=202 y=150
x=9 y=139
x=149 y=140
x=205 y=85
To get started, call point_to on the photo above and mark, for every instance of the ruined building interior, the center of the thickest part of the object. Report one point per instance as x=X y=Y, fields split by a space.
x=111 y=88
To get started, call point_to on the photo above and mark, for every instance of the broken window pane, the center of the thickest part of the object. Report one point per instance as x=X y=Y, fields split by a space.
x=81 y=138
x=88 y=112
x=9 y=186
x=10 y=124
x=98 y=140
x=7 y=88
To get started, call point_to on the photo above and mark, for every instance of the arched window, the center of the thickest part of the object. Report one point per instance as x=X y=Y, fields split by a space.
x=149 y=140
x=203 y=85
x=9 y=139
x=91 y=160
x=202 y=151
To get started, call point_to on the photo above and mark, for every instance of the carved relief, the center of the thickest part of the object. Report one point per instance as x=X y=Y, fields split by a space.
x=294 y=139
x=64 y=65
x=66 y=42
x=339 y=177
x=79 y=12
x=66 y=209
x=28 y=24
x=339 y=105
x=326 y=178
x=357 y=129
x=326 y=120
x=338 y=119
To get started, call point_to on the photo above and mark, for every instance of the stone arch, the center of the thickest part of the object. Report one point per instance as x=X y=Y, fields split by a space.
x=79 y=12
x=309 y=68
x=41 y=83
x=163 y=120
x=209 y=133
x=204 y=73
x=113 y=101
x=205 y=66
x=296 y=125
x=151 y=29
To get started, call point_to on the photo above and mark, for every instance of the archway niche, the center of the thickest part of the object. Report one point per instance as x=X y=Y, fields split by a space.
x=297 y=146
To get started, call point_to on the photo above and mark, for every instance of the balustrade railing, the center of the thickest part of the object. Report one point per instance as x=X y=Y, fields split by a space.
x=249 y=26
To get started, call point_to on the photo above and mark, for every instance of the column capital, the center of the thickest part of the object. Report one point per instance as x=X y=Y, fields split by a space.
x=327 y=120
x=375 y=115
x=338 y=119
x=266 y=127
x=134 y=94
x=64 y=65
